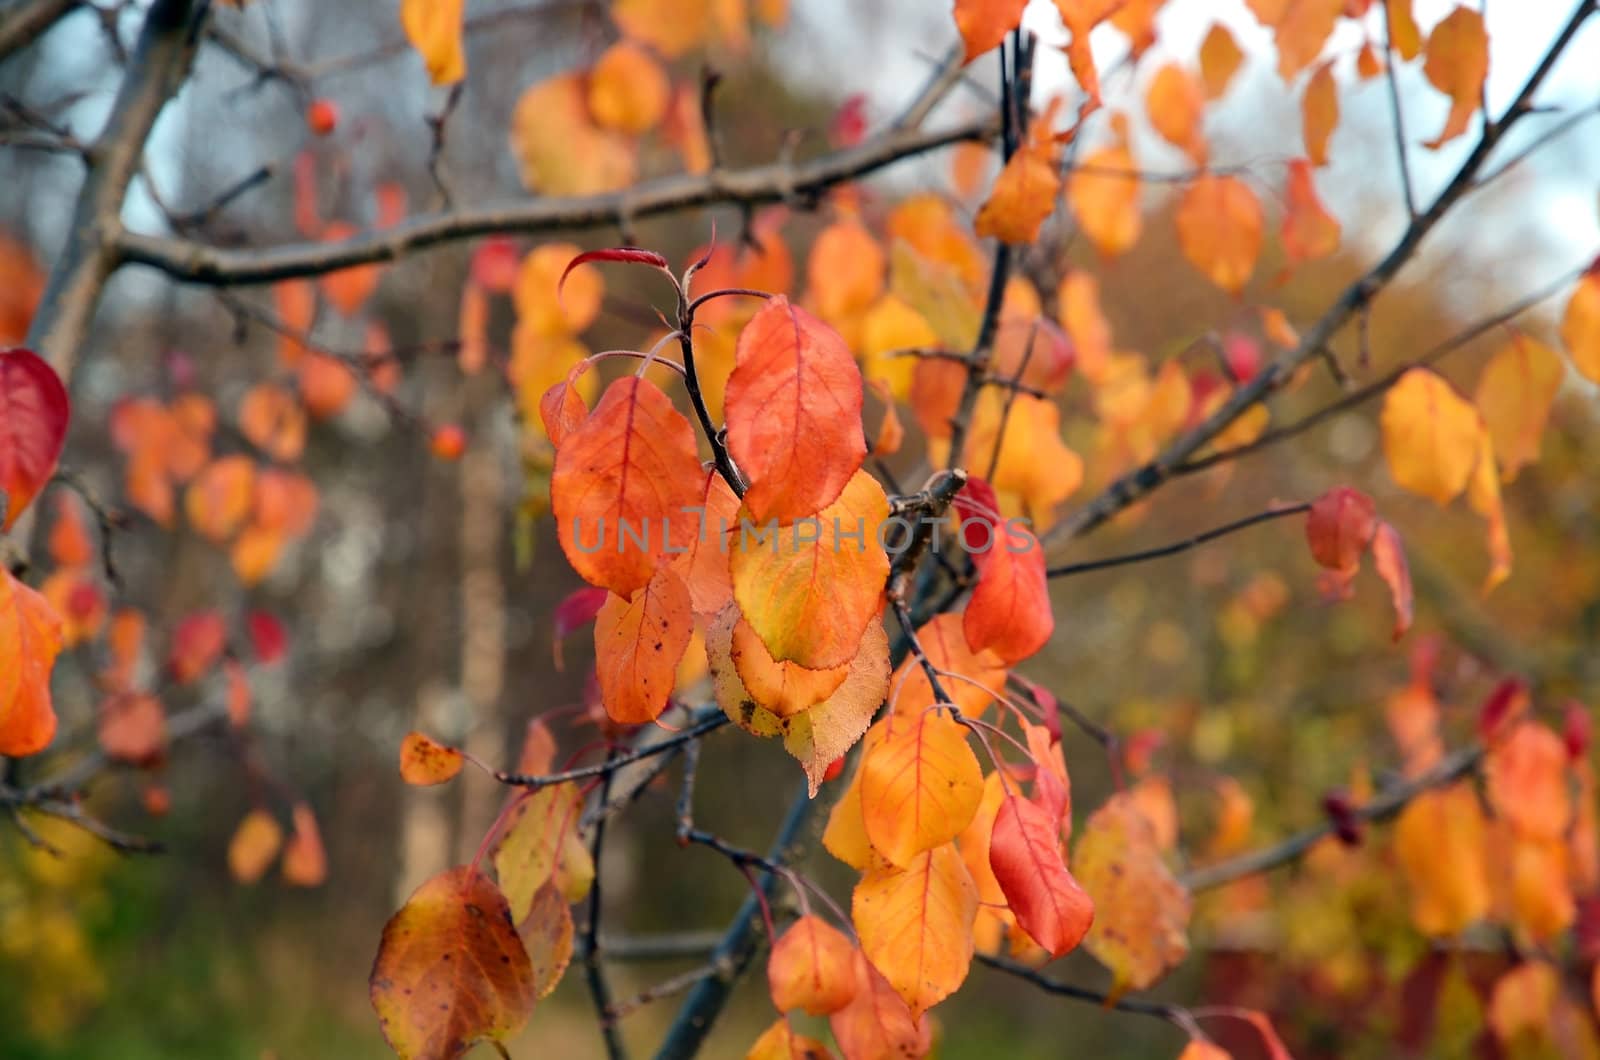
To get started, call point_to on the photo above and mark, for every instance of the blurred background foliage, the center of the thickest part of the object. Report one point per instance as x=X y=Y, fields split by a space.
x=1227 y=653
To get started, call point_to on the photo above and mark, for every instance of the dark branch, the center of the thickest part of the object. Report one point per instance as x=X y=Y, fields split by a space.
x=1178 y=546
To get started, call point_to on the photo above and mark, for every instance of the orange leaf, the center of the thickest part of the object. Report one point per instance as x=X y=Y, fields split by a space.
x=254 y=845
x=1009 y=613
x=920 y=785
x=780 y=1042
x=1319 y=113
x=1141 y=913
x=434 y=28
x=451 y=970
x=33 y=411
x=638 y=642
x=326 y=385
x=1527 y=781
x=809 y=587
x=812 y=967
x=781 y=687
x=621 y=479
x=197 y=643
x=349 y=288
x=30 y=638
x=1439 y=840
x=672 y=27
x=1309 y=231
x=1024 y=194
x=562 y=409
x=1403 y=33
x=1430 y=436
x=273 y=421
x=1522 y=1002
x=1025 y=855
x=1103 y=192
x=305 y=863
x=133 y=728
x=219 y=499
x=845 y=836
x=1580 y=326
x=628 y=89
x=1219 y=60
x=1300 y=32
x=1198 y=1049
x=553 y=296
x=794 y=413
x=1219 y=229
x=558 y=147
x=1514 y=395
x=1483 y=496
x=1175 y=101
x=1389 y=557
x=69 y=543
x=1457 y=64
x=877 y=1024
x=703 y=564
x=915 y=925
x=985 y=23
x=424 y=761
x=944 y=641
x=1339 y=528
x=540 y=844
x=547 y=934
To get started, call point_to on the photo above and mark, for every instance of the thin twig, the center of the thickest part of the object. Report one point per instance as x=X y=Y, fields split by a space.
x=1277 y=512
x=615 y=762
x=1400 y=145
x=588 y=951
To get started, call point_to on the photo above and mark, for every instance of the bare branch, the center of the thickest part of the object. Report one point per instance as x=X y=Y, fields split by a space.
x=200 y=263
x=1402 y=149
x=1276 y=512
x=588 y=952
x=617 y=762
x=159 y=65
x=26 y=24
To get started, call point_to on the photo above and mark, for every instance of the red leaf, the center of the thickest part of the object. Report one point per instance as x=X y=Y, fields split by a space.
x=1339 y=528
x=33 y=426
x=1575 y=730
x=630 y=255
x=572 y=613
x=197 y=643
x=1009 y=612
x=1507 y=703
x=1389 y=554
x=1025 y=854
x=268 y=638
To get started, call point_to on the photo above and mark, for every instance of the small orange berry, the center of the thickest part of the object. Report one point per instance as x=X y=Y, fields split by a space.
x=322 y=116
x=449 y=442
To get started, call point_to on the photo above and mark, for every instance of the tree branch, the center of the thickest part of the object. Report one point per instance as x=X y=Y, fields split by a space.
x=26 y=24
x=1134 y=485
x=1179 y=546
x=1384 y=806
x=201 y=263
x=160 y=64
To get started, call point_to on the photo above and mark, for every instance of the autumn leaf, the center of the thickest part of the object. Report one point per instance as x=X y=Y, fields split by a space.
x=985 y=23
x=1403 y=33
x=220 y=498
x=451 y=970
x=1430 y=436
x=877 y=1023
x=1514 y=396
x=274 y=421
x=672 y=27
x=944 y=642
x=1220 y=57
x=628 y=89
x=1580 y=326
x=703 y=563
x=1175 y=101
x=305 y=862
x=1440 y=842
x=1483 y=497
x=1199 y=1049
x=1457 y=63
x=1319 y=113
x=812 y=967
x=809 y=587
x=1521 y=1002
x=424 y=761
x=547 y=932
x=1389 y=557
x=1009 y=612
x=781 y=1042
x=198 y=641
x=1527 y=781
x=920 y=785
x=915 y=925
x=784 y=688
x=1024 y=194
x=638 y=642
x=845 y=836
x=1103 y=192
x=30 y=638
x=558 y=147
x=133 y=728
x=33 y=427
x=621 y=480
x=1219 y=229
x=794 y=413
x=1025 y=855
x=434 y=28
x=539 y=844
x=1309 y=231
x=1141 y=912
x=254 y=845
x=844 y=273
x=1339 y=528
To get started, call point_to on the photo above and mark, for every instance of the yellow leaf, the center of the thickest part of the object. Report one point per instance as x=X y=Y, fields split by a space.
x=540 y=844
x=1430 y=436
x=434 y=28
x=1514 y=395
x=1219 y=60
x=1580 y=326
x=984 y=23
x=1175 y=102
x=915 y=925
x=1440 y=843
x=1140 y=929
x=1309 y=230
x=672 y=27
x=1103 y=192
x=559 y=149
x=628 y=90
x=920 y=785
x=1319 y=113
x=1483 y=495
x=254 y=845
